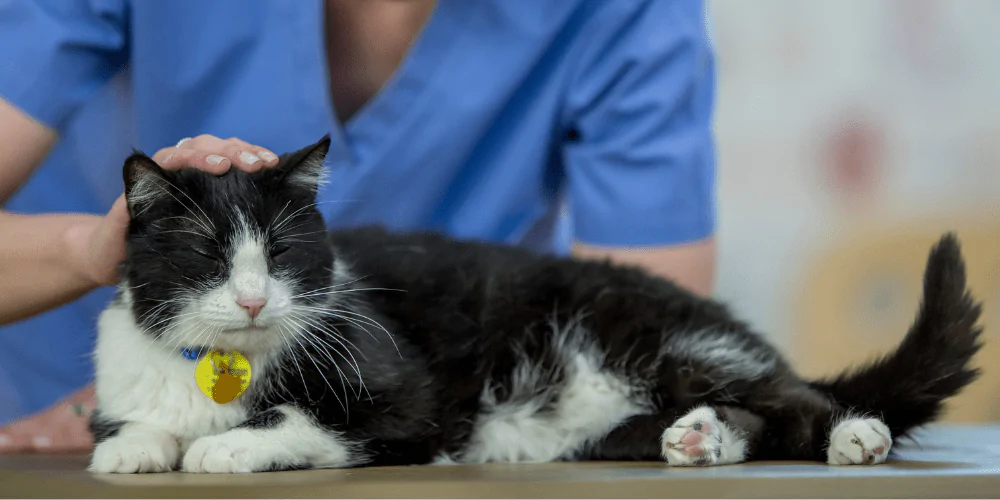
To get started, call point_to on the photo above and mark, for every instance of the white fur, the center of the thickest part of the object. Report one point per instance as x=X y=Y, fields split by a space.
x=216 y=317
x=444 y=459
x=309 y=174
x=723 y=351
x=294 y=441
x=857 y=441
x=719 y=444
x=248 y=276
x=149 y=186
x=591 y=403
x=139 y=380
x=146 y=381
x=136 y=448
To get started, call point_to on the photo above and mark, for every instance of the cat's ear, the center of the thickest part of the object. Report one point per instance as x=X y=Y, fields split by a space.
x=144 y=182
x=304 y=168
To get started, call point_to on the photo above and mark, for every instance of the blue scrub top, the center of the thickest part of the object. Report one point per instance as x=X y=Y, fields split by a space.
x=528 y=122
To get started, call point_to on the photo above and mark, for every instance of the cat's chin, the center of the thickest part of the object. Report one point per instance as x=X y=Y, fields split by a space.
x=251 y=329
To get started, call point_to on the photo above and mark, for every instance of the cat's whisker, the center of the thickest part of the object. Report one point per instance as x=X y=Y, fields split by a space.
x=364 y=319
x=204 y=215
x=168 y=344
x=291 y=216
x=185 y=231
x=291 y=352
x=335 y=292
x=289 y=202
x=131 y=287
x=308 y=337
x=304 y=332
x=204 y=231
x=295 y=240
x=314 y=310
x=331 y=331
x=310 y=233
x=339 y=285
x=275 y=227
x=205 y=223
x=319 y=371
x=204 y=331
x=339 y=339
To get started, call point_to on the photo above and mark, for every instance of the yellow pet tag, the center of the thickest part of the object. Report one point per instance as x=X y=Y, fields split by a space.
x=223 y=376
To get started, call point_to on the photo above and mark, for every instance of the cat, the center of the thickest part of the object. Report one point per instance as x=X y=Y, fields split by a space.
x=370 y=347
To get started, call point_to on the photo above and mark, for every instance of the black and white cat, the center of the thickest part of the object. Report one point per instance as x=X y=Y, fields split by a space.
x=372 y=348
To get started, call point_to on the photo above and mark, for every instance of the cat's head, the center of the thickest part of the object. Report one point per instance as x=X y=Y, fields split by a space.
x=236 y=260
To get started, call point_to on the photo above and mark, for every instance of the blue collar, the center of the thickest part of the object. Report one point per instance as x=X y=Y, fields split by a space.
x=194 y=353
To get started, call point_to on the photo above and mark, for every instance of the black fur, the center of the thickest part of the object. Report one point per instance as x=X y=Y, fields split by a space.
x=103 y=428
x=181 y=250
x=464 y=315
x=907 y=388
x=267 y=419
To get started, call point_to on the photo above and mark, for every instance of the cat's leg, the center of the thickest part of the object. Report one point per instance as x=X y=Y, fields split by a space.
x=825 y=436
x=704 y=435
x=135 y=447
x=280 y=438
x=709 y=435
x=800 y=423
x=858 y=441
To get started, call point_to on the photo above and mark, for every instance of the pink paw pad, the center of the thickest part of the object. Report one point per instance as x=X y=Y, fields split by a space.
x=692 y=439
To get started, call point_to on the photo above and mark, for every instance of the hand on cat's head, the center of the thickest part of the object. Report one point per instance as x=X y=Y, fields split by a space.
x=101 y=246
x=236 y=251
x=215 y=155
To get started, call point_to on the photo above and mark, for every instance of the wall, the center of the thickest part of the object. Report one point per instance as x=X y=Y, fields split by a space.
x=851 y=133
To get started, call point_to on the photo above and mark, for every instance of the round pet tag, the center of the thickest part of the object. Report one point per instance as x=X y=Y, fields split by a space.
x=223 y=376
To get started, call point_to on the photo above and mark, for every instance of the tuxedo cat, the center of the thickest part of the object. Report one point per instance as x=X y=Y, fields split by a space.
x=372 y=348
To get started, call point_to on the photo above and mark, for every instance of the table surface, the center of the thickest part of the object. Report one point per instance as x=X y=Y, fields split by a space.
x=943 y=462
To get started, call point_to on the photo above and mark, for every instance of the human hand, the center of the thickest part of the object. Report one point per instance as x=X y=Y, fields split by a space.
x=215 y=155
x=62 y=428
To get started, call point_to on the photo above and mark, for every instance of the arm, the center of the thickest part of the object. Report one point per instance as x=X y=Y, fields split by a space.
x=640 y=160
x=50 y=260
x=39 y=265
x=691 y=266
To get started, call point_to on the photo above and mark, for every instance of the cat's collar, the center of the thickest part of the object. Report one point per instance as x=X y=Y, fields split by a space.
x=194 y=353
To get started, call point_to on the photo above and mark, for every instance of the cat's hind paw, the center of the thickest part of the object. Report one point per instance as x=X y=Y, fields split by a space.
x=700 y=438
x=857 y=441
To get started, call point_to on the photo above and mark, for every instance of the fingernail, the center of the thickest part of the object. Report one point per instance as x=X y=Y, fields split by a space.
x=41 y=441
x=215 y=159
x=267 y=155
x=249 y=158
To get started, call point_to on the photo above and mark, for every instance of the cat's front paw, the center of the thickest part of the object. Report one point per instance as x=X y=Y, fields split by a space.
x=133 y=452
x=236 y=451
x=700 y=438
x=857 y=441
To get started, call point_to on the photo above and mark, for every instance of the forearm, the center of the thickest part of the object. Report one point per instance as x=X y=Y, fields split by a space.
x=691 y=266
x=40 y=263
x=24 y=143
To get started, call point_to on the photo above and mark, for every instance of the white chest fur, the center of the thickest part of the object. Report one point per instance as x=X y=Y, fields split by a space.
x=138 y=380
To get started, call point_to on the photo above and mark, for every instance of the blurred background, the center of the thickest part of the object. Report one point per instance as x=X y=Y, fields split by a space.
x=851 y=134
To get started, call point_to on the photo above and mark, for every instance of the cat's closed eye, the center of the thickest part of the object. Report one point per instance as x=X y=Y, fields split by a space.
x=206 y=254
x=209 y=258
x=277 y=250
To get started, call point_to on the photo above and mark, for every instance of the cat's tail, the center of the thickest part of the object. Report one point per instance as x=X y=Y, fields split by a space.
x=908 y=387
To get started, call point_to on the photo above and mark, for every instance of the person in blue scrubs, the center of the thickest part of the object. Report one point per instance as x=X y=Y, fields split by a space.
x=575 y=127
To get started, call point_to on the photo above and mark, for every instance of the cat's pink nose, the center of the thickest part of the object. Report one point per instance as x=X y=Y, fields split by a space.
x=252 y=305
